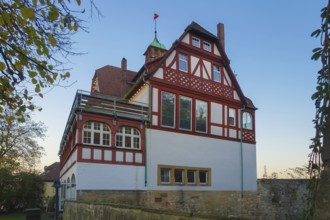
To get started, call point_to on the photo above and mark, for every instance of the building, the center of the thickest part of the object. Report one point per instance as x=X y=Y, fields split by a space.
x=181 y=123
x=51 y=173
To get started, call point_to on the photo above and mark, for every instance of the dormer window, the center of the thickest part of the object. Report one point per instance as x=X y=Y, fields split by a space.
x=207 y=46
x=195 y=42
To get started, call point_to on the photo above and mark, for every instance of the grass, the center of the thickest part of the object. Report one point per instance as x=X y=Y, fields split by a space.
x=13 y=216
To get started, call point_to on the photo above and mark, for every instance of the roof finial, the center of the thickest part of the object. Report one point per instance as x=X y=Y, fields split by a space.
x=155 y=18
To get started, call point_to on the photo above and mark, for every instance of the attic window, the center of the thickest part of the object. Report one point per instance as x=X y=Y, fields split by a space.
x=195 y=42
x=207 y=46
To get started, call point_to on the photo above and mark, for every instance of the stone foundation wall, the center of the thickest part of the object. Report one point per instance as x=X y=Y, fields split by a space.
x=274 y=199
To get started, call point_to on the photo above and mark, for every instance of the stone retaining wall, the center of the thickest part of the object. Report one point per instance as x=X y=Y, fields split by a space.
x=274 y=199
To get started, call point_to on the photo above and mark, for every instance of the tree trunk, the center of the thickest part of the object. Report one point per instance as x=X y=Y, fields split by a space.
x=322 y=199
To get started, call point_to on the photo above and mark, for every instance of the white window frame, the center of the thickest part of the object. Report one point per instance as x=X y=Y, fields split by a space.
x=174 y=108
x=187 y=98
x=196 y=42
x=216 y=72
x=92 y=132
x=183 y=61
x=206 y=109
x=247 y=120
x=207 y=48
x=131 y=133
x=232 y=114
x=169 y=176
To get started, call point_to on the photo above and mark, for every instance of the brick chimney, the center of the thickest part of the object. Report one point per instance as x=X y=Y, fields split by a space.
x=123 y=64
x=221 y=34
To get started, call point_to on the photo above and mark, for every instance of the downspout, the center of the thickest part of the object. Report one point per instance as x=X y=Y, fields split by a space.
x=145 y=131
x=241 y=146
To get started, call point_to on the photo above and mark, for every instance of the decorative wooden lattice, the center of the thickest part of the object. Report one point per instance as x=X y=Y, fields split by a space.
x=248 y=136
x=199 y=84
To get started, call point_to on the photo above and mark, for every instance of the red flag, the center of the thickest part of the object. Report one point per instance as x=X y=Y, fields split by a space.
x=155 y=16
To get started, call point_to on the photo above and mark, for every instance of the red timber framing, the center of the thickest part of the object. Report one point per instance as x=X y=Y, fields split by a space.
x=112 y=112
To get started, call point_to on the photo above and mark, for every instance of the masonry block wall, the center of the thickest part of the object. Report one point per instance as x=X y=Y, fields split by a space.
x=274 y=199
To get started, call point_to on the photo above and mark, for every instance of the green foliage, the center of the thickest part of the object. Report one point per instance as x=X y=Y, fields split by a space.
x=34 y=36
x=18 y=145
x=19 y=190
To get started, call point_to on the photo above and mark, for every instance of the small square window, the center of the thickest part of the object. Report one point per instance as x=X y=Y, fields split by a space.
x=207 y=46
x=195 y=42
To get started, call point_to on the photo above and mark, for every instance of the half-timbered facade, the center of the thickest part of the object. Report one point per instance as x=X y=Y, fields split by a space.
x=181 y=122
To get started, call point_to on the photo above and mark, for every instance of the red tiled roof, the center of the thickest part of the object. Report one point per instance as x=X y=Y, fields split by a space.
x=113 y=80
x=51 y=172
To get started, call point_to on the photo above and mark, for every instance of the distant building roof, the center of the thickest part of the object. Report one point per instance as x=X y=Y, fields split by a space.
x=51 y=172
x=113 y=81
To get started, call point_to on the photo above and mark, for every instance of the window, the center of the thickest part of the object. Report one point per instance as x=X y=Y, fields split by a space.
x=183 y=62
x=207 y=46
x=178 y=176
x=128 y=137
x=216 y=73
x=201 y=116
x=232 y=117
x=185 y=113
x=186 y=176
x=96 y=133
x=168 y=107
x=203 y=177
x=165 y=176
x=247 y=120
x=195 y=42
x=191 y=176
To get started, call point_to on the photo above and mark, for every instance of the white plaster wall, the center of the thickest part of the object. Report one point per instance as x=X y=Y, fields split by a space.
x=223 y=157
x=194 y=61
x=186 y=39
x=142 y=96
x=159 y=73
x=227 y=78
x=155 y=100
x=70 y=161
x=94 y=176
x=208 y=69
x=216 y=51
x=216 y=113
x=170 y=59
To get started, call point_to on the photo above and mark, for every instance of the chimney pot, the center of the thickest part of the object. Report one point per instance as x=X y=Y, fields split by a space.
x=124 y=64
x=221 y=34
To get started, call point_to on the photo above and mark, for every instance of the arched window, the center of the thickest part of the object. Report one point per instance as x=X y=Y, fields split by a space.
x=96 y=133
x=128 y=137
x=247 y=120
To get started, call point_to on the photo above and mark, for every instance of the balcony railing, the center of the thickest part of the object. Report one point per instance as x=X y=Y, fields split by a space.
x=107 y=105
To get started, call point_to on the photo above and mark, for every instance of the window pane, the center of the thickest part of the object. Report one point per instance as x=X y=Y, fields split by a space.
x=87 y=137
x=136 y=142
x=136 y=132
x=207 y=46
x=247 y=120
x=191 y=176
x=97 y=126
x=178 y=176
x=97 y=138
x=106 y=138
x=201 y=115
x=128 y=141
x=105 y=128
x=128 y=130
x=183 y=62
x=168 y=100
x=88 y=125
x=165 y=175
x=185 y=112
x=119 y=140
x=232 y=117
x=203 y=177
x=216 y=73
x=195 y=42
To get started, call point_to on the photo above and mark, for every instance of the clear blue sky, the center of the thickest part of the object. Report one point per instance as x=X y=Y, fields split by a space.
x=268 y=43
